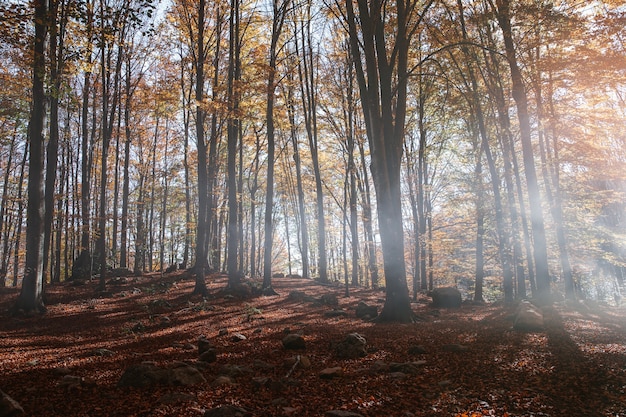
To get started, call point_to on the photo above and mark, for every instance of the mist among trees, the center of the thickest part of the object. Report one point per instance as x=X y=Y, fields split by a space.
x=406 y=145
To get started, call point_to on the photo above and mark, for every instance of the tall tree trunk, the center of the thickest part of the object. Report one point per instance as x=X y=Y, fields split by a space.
x=550 y=172
x=151 y=209
x=308 y=87
x=126 y=167
x=163 y=218
x=540 y=250
x=109 y=109
x=52 y=150
x=20 y=210
x=5 y=226
x=200 y=287
x=234 y=275
x=304 y=233
x=82 y=266
x=383 y=87
x=280 y=10
x=511 y=173
x=366 y=198
x=30 y=299
x=186 y=103
x=140 y=239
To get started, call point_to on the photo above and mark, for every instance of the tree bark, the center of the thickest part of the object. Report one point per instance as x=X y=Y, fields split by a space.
x=534 y=197
x=30 y=299
x=383 y=87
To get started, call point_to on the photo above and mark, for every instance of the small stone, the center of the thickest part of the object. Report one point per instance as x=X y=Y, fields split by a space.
x=234 y=371
x=222 y=332
x=176 y=398
x=379 y=366
x=335 y=313
x=221 y=381
x=260 y=382
x=294 y=341
x=342 y=413
x=208 y=356
x=227 y=411
x=417 y=350
x=62 y=371
x=330 y=373
x=455 y=348
x=102 y=352
x=301 y=361
x=238 y=337
x=203 y=345
x=259 y=364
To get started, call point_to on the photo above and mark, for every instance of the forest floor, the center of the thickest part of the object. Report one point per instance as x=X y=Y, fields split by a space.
x=450 y=362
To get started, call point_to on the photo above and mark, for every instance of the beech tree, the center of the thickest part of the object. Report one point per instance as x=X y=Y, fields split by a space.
x=380 y=40
x=30 y=299
x=279 y=13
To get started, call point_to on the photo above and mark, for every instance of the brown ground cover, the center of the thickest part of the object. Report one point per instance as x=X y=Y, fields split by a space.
x=472 y=364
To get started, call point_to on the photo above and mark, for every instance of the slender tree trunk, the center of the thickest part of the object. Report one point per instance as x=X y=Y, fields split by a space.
x=5 y=226
x=52 y=150
x=140 y=239
x=20 y=210
x=366 y=197
x=280 y=10
x=203 y=176
x=165 y=175
x=82 y=268
x=126 y=168
x=511 y=171
x=550 y=172
x=186 y=103
x=234 y=275
x=308 y=87
x=151 y=209
x=253 y=190
x=304 y=234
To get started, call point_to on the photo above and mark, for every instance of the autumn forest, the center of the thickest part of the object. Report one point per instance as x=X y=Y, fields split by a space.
x=401 y=145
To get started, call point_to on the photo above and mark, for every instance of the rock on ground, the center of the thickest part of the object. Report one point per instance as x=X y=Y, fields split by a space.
x=446 y=297
x=529 y=318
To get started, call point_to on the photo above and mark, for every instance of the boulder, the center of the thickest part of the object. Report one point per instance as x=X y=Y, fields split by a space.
x=366 y=312
x=329 y=299
x=529 y=318
x=352 y=347
x=148 y=375
x=446 y=297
